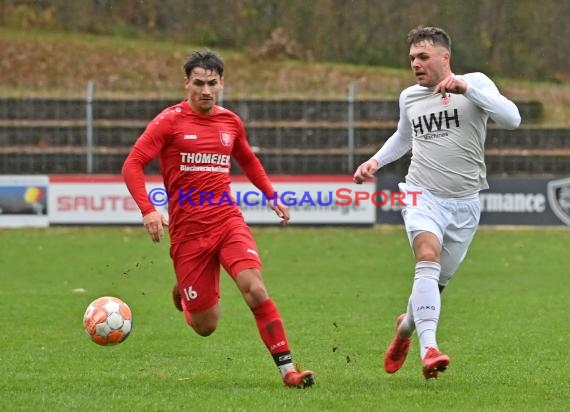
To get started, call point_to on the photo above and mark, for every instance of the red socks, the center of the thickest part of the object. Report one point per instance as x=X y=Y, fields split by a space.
x=272 y=331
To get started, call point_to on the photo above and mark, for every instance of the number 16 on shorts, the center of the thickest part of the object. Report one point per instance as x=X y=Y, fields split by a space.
x=190 y=293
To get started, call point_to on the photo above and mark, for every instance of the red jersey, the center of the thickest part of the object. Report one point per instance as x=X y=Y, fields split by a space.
x=194 y=153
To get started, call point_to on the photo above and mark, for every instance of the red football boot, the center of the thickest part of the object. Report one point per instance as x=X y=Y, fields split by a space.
x=299 y=379
x=434 y=362
x=397 y=351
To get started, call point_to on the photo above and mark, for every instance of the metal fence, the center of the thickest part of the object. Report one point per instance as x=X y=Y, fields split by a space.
x=91 y=134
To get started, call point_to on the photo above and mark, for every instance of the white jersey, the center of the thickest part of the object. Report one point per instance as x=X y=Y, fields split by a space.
x=447 y=135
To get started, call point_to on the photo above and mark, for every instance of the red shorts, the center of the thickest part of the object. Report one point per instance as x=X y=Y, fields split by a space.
x=197 y=262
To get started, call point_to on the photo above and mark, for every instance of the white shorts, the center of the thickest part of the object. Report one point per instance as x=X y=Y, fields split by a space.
x=453 y=220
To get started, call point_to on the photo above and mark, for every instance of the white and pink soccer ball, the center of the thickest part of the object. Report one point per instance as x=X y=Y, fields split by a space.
x=108 y=321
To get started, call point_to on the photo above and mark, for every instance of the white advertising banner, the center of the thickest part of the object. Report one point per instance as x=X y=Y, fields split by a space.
x=85 y=199
x=23 y=201
x=92 y=200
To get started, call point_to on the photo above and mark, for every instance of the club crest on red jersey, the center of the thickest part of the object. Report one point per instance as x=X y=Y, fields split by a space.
x=226 y=138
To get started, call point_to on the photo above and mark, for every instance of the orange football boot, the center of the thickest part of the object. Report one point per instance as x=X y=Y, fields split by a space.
x=299 y=379
x=434 y=362
x=397 y=351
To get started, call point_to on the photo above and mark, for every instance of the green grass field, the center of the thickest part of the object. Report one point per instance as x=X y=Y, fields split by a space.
x=504 y=324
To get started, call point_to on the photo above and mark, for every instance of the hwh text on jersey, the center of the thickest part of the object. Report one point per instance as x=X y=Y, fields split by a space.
x=435 y=122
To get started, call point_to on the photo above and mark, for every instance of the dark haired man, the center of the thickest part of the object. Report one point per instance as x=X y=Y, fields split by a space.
x=443 y=121
x=194 y=141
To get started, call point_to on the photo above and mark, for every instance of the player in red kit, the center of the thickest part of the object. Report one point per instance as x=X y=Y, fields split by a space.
x=194 y=141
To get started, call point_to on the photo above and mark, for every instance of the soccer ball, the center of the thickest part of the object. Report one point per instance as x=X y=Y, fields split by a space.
x=108 y=321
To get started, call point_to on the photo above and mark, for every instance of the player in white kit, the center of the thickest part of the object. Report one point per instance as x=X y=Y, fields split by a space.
x=443 y=120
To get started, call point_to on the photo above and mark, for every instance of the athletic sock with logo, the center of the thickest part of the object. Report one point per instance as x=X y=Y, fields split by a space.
x=426 y=303
x=272 y=332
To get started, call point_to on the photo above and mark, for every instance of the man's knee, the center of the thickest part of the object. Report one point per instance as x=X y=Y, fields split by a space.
x=426 y=247
x=204 y=328
x=205 y=323
x=250 y=283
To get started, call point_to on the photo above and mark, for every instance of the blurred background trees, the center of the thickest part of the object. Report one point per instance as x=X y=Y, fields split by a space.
x=514 y=38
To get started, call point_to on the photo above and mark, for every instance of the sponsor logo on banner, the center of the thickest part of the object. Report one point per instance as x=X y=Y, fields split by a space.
x=23 y=201
x=93 y=200
x=558 y=192
x=510 y=201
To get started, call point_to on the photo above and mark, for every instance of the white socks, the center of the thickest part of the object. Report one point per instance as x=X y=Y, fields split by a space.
x=286 y=368
x=426 y=303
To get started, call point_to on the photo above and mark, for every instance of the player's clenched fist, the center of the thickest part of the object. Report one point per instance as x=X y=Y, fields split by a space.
x=365 y=171
x=451 y=84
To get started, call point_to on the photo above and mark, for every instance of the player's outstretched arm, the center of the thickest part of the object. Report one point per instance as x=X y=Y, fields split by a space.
x=394 y=148
x=484 y=93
